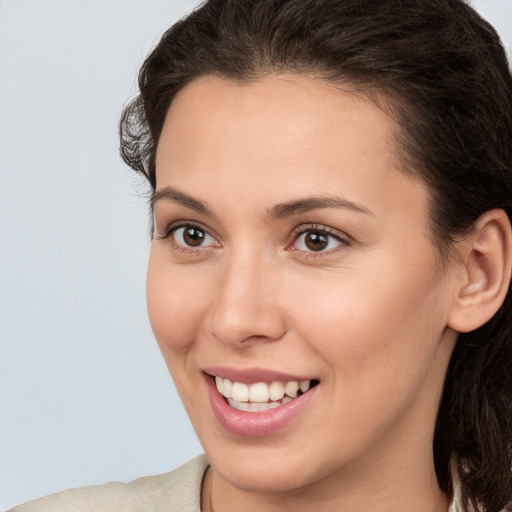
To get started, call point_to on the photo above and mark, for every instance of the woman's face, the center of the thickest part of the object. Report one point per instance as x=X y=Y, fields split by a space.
x=290 y=248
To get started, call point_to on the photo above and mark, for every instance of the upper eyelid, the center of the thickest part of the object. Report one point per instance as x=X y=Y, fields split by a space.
x=304 y=228
x=172 y=226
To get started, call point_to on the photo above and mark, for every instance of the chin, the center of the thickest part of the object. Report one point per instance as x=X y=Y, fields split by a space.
x=272 y=477
x=266 y=467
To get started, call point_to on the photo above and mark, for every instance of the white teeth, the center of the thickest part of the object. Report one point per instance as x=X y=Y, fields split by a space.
x=227 y=388
x=260 y=407
x=240 y=392
x=241 y=406
x=256 y=406
x=291 y=389
x=276 y=391
x=304 y=385
x=258 y=392
x=219 y=382
x=260 y=396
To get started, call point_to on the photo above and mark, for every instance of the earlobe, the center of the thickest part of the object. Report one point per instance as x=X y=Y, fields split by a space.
x=487 y=261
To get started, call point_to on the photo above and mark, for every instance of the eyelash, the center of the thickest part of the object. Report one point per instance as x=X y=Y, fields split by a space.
x=342 y=239
x=170 y=230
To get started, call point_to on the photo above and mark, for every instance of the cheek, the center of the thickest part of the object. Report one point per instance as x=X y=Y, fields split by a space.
x=380 y=343
x=372 y=323
x=175 y=298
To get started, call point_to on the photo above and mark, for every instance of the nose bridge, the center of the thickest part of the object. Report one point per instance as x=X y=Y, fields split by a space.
x=244 y=309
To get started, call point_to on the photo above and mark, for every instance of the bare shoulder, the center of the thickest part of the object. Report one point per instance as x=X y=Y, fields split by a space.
x=178 y=490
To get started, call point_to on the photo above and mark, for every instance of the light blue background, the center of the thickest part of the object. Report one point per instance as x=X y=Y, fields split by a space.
x=84 y=394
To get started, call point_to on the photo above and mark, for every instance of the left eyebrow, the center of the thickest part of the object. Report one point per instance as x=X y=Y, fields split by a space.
x=308 y=204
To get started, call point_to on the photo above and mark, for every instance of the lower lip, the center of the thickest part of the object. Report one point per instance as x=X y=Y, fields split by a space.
x=256 y=424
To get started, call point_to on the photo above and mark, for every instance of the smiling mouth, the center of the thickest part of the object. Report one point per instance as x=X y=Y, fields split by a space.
x=261 y=396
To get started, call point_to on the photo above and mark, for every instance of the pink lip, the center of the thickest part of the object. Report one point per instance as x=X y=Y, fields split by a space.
x=256 y=424
x=252 y=375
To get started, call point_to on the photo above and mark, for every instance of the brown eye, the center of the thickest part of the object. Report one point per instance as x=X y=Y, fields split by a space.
x=317 y=240
x=192 y=236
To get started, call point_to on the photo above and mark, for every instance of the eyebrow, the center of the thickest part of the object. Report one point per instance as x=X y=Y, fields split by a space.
x=279 y=211
x=179 y=197
x=308 y=204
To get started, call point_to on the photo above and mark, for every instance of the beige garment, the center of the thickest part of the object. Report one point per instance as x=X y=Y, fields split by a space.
x=177 y=491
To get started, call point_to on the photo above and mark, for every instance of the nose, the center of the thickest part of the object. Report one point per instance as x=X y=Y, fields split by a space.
x=246 y=308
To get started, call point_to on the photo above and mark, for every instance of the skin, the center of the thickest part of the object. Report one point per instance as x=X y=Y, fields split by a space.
x=368 y=317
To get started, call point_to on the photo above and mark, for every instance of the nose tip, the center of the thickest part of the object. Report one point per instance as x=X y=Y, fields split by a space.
x=243 y=330
x=246 y=310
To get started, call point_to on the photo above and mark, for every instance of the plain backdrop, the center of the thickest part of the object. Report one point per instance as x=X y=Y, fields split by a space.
x=84 y=394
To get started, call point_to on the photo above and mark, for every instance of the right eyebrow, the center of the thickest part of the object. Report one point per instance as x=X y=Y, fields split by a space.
x=180 y=198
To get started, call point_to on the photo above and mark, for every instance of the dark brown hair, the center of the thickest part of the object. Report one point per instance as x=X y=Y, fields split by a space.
x=444 y=73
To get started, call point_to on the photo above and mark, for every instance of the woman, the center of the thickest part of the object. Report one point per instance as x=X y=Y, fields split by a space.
x=329 y=279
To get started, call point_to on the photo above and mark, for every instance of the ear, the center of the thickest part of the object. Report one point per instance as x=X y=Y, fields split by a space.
x=486 y=269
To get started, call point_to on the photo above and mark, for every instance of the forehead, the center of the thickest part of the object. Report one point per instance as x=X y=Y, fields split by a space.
x=278 y=139
x=286 y=116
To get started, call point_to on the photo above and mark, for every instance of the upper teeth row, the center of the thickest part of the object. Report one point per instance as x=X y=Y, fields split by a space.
x=260 y=392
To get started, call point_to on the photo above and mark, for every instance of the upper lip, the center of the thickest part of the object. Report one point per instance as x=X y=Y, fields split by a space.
x=252 y=375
